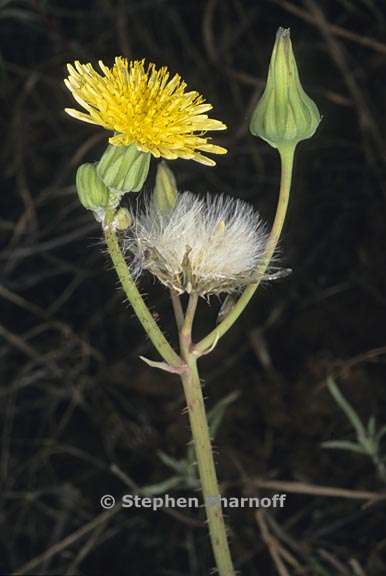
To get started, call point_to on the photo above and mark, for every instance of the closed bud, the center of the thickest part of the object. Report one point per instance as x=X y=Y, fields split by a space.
x=165 y=191
x=122 y=219
x=285 y=115
x=124 y=168
x=92 y=193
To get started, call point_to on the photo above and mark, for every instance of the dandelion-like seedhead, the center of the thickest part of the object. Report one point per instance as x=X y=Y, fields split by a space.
x=145 y=107
x=205 y=245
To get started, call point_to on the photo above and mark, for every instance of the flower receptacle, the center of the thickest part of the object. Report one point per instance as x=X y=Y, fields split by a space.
x=165 y=191
x=124 y=168
x=92 y=192
x=285 y=114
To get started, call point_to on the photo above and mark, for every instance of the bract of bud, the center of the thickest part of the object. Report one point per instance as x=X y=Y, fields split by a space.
x=124 y=168
x=285 y=114
x=92 y=193
x=122 y=219
x=165 y=191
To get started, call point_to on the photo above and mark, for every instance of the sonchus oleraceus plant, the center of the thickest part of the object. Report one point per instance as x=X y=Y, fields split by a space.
x=199 y=246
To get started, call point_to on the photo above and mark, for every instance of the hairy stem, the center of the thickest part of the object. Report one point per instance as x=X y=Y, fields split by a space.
x=203 y=448
x=286 y=157
x=141 y=310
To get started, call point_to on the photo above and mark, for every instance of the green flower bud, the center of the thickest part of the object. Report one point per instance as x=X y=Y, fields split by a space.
x=122 y=219
x=285 y=114
x=92 y=193
x=124 y=168
x=165 y=191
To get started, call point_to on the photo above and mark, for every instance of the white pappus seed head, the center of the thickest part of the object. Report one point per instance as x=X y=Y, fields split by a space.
x=206 y=245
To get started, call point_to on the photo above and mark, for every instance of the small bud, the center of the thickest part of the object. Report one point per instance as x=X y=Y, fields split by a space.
x=122 y=219
x=124 y=168
x=92 y=193
x=165 y=191
x=284 y=114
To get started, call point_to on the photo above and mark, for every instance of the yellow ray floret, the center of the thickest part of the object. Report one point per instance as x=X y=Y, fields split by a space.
x=145 y=107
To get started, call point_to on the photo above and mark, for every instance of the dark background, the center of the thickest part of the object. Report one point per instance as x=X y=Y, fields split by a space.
x=76 y=399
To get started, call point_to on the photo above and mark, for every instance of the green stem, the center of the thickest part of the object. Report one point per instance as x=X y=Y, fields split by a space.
x=286 y=157
x=203 y=448
x=187 y=325
x=143 y=313
x=177 y=308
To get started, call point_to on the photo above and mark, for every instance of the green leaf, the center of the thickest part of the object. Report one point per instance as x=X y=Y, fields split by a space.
x=347 y=409
x=216 y=415
x=344 y=445
x=176 y=465
x=371 y=426
x=161 y=487
x=380 y=434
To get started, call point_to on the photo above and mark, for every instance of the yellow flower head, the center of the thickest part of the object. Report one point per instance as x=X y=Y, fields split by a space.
x=144 y=107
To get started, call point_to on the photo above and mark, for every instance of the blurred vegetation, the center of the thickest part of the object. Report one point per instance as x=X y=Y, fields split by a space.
x=81 y=415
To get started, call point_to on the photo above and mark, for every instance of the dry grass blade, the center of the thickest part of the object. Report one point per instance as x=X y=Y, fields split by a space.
x=101 y=519
x=314 y=490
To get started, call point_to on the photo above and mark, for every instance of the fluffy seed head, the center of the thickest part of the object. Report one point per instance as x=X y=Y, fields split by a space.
x=206 y=245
